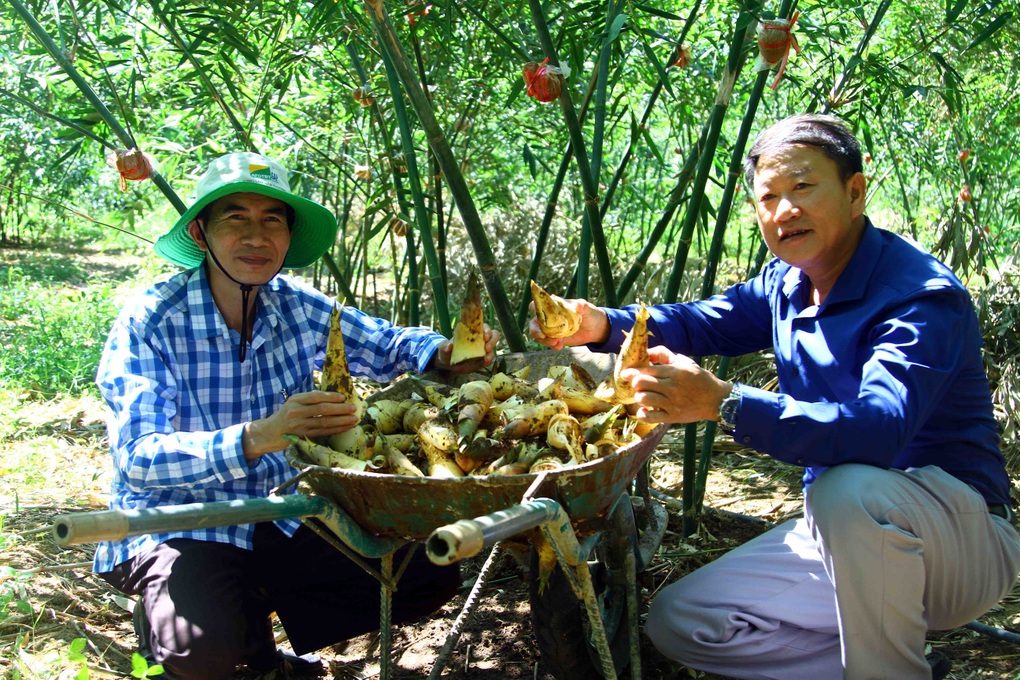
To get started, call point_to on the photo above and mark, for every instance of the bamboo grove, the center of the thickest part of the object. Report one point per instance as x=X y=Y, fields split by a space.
x=591 y=145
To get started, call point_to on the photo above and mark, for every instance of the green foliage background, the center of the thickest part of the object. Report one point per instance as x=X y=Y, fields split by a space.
x=929 y=86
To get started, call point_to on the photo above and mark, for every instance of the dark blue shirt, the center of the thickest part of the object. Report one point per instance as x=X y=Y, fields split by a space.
x=887 y=371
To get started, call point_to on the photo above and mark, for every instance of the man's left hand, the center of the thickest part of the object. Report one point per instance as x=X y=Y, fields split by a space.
x=675 y=389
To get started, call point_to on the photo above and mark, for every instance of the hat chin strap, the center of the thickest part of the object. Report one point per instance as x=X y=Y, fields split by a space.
x=246 y=289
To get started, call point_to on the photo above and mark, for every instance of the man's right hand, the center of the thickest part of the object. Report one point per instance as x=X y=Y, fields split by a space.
x=308 y=414
x=594 y=326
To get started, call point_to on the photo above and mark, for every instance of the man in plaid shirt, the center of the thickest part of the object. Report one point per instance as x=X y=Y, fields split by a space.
x=203 y=374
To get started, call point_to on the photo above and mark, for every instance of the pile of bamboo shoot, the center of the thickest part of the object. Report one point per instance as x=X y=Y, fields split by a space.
x=504 y=424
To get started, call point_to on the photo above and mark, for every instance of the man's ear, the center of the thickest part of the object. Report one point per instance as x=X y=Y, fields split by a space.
x=196 y=235
x=857 y=186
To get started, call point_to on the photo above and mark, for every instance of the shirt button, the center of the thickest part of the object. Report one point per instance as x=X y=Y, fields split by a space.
x=800 y=461
x=746 y=439
x=253 y=398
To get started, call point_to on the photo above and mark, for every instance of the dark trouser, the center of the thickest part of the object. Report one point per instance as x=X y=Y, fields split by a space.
x=209 y=603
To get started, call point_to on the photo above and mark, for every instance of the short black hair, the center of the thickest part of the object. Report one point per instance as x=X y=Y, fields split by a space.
x=827 y=133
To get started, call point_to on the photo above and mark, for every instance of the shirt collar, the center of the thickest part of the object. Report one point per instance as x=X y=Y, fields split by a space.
x=206 y=319
x=853 y=279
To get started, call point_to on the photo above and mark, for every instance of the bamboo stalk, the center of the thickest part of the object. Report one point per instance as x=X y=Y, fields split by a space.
x=92 y=97
x=16 y=192
x=685 y=173
x=598 y=137
x=653 y=98
x=855 y=59
x=691 y=500
x=451 y=171
x=413 y=316
x=733 y=175
x=911 y=220
x=675 y=199
x=435 y=170
x=518 y=49
x=591 y=198
x=550 y=209
x=81 y=31
x=696 y=479
x=413 y=285
x=341 y=281
x=421 y=215
x=744 y=30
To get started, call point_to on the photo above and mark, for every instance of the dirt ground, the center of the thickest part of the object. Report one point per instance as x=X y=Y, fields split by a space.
x=746 y=492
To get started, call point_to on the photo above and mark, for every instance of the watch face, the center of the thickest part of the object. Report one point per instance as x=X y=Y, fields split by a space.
x=728 y=410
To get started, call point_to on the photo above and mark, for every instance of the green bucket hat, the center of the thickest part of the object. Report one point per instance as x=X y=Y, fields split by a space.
x=314 y=229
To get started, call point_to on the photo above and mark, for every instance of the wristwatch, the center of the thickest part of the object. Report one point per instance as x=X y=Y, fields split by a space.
x=729 y=409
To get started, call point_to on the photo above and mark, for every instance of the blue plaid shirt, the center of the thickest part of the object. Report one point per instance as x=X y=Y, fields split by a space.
x=179 y=398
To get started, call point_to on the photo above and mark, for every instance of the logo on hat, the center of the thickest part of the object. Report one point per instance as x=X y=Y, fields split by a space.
x=262 y=172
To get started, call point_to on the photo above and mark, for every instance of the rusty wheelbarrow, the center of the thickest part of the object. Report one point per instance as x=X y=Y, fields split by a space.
x=585 y=618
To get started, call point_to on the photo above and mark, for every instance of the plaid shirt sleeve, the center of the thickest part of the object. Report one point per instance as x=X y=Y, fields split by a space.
x=381 y=351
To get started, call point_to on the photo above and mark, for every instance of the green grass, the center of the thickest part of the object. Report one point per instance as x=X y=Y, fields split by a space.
x=52 y=328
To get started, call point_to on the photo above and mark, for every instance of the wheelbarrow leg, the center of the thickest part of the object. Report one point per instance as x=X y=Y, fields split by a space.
x=630 y=565
x=386 y=617
x=388 y=584
x=467 y=537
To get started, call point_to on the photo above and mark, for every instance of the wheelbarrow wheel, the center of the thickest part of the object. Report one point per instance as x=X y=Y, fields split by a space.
x=560 y=619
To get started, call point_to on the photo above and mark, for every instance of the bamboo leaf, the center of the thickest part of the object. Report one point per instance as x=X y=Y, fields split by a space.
x=744 y=20
x=249 y=52
x=614 y=30
x=945 y=66
x=653 y=146
x=658 y=12
x=529 y=158
x=990 y=29
x=953 y=10
x=67 y=154
x=378 y=226
x=654 y=59
x=515 y=91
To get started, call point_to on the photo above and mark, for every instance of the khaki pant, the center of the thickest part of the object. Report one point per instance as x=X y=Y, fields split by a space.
x=849 y=591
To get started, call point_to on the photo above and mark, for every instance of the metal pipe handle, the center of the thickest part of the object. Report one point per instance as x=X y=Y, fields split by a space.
x=467 y=537
x=114 y=525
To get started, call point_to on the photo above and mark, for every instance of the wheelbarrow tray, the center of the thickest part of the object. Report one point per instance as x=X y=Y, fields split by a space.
x=412 y=507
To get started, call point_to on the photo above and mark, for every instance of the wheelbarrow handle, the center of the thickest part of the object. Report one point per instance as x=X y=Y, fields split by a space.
x=114 y=525
x=467 y=537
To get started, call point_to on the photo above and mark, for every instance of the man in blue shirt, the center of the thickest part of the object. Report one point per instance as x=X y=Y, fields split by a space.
x=203 y=374
x=882 y=398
